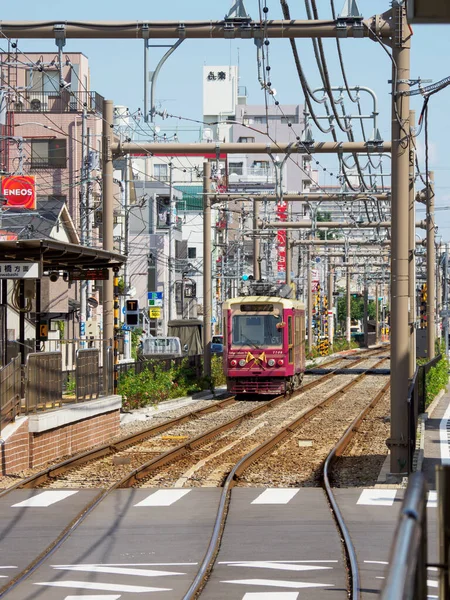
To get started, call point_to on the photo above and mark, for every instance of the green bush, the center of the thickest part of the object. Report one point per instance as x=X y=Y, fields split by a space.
x=436 y=379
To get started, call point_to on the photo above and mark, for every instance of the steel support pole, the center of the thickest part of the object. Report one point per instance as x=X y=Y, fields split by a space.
x=256 y=243
x=38 y=315
x=401 y=50
x=207 y=269
x=108 y=224
x=377 y=313
x=288 y=258
x=446 y=319
x=171 y=244
x=309 y=304
x=438 y=306
x=349 y=308
x=366 y=310
x=412 y=252
x=431 y=270
x=330 y=303
x=83 y=226
x=443 y=493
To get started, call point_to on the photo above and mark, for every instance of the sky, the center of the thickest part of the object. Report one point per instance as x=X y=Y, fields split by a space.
x=117 y=68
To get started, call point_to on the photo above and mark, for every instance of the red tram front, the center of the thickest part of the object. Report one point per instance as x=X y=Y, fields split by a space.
x=264 y=344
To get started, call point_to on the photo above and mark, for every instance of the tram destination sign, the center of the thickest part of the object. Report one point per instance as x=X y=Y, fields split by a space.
x=89 y=275
x=19 y=270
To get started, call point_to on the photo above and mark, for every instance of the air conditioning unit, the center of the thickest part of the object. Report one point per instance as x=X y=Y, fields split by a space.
x=35 y=105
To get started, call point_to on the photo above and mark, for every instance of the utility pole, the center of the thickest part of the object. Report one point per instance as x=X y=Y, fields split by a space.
x=207 y=271
x=83 y=225
x=349 y=307
x=310 y=300
x=377 y=313
x=366 y=308
x=412 y=251
x=108 y=223
x=431 y=269
x=171 y=252
x=330 y=303
x=256 y=243
x=401 y=50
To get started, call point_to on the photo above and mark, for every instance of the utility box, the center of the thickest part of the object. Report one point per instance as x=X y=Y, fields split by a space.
x=421 y=343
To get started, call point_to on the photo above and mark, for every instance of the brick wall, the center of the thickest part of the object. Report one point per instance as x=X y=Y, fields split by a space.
x=15 y=451
x=33 y=450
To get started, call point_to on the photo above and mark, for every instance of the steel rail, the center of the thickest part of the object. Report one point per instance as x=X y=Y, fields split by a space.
x=148 y=467
x=339 y=448
x=90 y=507
x=243 y=464
x=106 y=449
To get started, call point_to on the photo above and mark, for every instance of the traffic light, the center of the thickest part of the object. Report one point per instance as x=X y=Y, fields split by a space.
x=423 y=306
x=132 y=313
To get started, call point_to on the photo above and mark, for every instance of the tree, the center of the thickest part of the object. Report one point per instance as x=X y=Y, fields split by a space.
x=323 y=217
x=356 y=307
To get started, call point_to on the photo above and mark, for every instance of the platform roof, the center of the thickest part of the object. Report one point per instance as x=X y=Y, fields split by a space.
x=59 y=256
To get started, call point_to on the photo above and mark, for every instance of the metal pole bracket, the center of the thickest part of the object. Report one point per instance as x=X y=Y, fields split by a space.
x=145 y=31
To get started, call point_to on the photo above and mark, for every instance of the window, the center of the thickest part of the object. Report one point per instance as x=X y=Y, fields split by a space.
x=192 y=252
x=50 y=82
x=289 y=119
x=48 y=154
x=256 y=331
x=260 y=167
x=235 y=167
x=161 y=172
x=246 y=140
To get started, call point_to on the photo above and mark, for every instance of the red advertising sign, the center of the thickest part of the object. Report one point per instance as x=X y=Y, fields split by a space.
x=19 y=191
x=281 y=242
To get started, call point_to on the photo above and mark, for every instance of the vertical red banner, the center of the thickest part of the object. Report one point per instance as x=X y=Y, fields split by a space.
x=282 y=214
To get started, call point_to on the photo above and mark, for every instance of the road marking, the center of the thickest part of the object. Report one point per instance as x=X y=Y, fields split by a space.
x=276 y=583
x=92 y=597
x=163 y=498
x=107 y=587
x=283 y=566
x=235 y=562
x=443 y=435
x=376 y=562
x=372 y=497
x=270 y=596
x=130 y=565
x=431 y=583
x=45 y=499
x=118 y=570
x=276 y=496
x=432 y=499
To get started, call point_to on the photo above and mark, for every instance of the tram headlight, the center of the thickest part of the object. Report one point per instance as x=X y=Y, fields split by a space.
x=271 y=362
x=242 y=362
x=280 y=362
x=233 y=363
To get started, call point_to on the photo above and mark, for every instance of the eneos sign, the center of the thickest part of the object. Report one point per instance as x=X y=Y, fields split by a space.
x=19 y=191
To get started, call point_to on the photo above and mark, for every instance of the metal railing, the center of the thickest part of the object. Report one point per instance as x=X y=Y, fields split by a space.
x=87 y=375
x=59 y=102
x=417 y=395
x=406 y=578
x=70 y=347
x=43 y=381
x=10 y=387
x=109 y=373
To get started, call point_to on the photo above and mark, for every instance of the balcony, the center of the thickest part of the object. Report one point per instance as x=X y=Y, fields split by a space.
x=54 y=102
x=251 y=175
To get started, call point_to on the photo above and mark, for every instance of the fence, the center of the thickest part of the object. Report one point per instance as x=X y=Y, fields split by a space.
x=10 y=391
x=417 y=395
x=87 y=375
x=406 y=577
x=43 y=381
x=70 y=347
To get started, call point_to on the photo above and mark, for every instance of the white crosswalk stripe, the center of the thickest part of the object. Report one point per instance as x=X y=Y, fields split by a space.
x=276 y=496
x=45 y=499
x=163 y=498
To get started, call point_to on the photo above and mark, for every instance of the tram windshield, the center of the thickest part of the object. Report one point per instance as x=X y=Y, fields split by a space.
x=258 y=331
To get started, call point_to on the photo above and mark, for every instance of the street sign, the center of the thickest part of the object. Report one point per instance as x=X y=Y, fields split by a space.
x=19 y=270
x=155 y=302
x=155 y=296
x=132 y=313
x=154 y=313
x=19 y=191
x=89 y=275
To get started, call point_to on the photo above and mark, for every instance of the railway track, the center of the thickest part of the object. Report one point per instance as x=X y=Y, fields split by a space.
x=134 y=476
